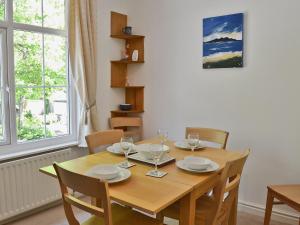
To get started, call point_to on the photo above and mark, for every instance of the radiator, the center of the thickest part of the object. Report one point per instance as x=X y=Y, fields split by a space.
x=23 y=187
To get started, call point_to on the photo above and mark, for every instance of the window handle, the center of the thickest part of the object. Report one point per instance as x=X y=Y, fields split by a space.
x=7 y=89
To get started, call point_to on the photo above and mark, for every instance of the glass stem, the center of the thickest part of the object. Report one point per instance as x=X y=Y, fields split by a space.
x=156 y=166
x=126 y=159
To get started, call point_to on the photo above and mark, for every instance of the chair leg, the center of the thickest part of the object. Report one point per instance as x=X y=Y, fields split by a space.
x=232 y=220
x=269 y=206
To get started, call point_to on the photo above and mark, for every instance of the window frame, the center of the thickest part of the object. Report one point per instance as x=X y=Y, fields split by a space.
x=5 y=92
x=12 y=146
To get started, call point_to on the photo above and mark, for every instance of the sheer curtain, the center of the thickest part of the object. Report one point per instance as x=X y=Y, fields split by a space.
x=82 y=48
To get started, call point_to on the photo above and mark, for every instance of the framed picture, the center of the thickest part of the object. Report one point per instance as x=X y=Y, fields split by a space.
x=223 y=41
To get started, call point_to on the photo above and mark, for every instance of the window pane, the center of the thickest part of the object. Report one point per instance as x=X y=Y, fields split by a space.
x=1 y=118
x=28 y=12
x=57 y=119
x=2 y=9
x=28 y=58
x=30 y=113
x=2 y=71
x=55 y=60
x=54 y=13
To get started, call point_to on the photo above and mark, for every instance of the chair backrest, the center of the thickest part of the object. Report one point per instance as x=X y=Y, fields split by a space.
x=100 y=138
x=209 y=134
x=132 y=125
x=88 y=186
x=226 y=190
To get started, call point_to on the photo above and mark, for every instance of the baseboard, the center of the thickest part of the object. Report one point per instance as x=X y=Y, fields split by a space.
x=37 y=210
x=31 y=212
x=277 y=215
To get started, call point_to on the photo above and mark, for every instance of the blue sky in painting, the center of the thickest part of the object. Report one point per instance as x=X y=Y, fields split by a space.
x=223 y=25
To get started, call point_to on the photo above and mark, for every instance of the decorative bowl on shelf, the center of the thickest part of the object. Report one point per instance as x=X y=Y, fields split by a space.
x=125 y=107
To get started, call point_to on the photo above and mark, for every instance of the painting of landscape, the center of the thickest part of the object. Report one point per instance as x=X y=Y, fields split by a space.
x=223 y=41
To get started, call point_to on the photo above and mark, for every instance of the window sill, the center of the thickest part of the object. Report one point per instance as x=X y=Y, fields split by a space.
x=27 y=153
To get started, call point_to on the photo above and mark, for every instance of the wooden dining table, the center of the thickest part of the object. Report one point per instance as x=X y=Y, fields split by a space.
x=152 y=195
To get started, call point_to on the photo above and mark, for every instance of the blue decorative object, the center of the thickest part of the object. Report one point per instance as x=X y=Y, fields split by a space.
x=223 y=41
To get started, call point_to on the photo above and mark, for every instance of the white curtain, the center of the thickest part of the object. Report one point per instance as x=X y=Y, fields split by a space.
x=82 y=47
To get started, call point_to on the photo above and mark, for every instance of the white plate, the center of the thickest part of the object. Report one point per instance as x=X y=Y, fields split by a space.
x=213 y=167
x=124 y=174
x=184 y=145
x=145 y=146
x=196 y=162
x=139 y=157
x=106 y=172
x=116 y=149
x=146 y=150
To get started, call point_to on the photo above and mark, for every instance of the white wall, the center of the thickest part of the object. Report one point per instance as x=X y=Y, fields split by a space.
x=108 y=49
x=258 y=104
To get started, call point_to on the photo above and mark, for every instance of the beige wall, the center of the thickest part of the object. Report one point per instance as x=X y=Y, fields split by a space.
x=258 y=104
x=108 y=49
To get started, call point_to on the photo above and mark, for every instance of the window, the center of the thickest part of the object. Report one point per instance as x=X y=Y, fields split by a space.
x=2 y=9
x=3 y=93
x=34 y=75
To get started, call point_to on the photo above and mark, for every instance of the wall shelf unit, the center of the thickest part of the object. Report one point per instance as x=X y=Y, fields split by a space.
x=133 y=94
x=126 y=61
x=121 y=113
x=126 y=37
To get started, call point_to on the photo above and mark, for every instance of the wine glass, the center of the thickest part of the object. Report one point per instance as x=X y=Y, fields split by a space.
x=157 y=152
x=193 y=141
x=126 y=145
x=163 y=136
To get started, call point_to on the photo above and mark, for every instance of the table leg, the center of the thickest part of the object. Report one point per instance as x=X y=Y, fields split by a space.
x=233 y=211
x=187 y=210
x=269 y=206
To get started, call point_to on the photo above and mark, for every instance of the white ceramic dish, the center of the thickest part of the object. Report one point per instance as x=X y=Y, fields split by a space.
x=146 y=150
x=212 y=167
x=184 y=145
x=123 y=174
x=197 y=163
x=116 y=149
x=106 y=172
x=139 y=157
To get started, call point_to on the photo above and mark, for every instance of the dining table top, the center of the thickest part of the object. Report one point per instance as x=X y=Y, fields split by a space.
x=146 y=193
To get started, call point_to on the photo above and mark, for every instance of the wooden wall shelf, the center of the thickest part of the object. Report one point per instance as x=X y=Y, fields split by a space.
x=118 y=22
x=126 y=112
x=126 y=37
x=133 y=94
x=128 y=87
x=119 y=113
x=126 y=61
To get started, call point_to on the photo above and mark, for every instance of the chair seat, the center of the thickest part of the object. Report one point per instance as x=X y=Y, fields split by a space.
x=204 y=210
x=289 y=194
x=123 y=216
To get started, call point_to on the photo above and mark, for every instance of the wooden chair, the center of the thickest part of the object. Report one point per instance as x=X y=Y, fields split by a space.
x=104 y=213
x=132 y=126
x=101 y=138
x=217 y=208
x=286 y=194
x=209 y=134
